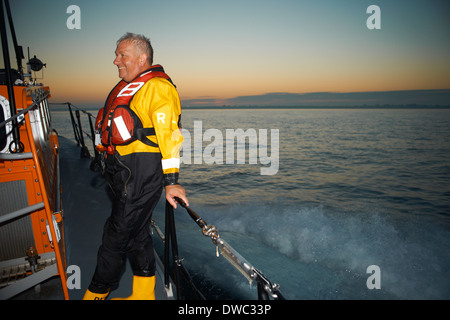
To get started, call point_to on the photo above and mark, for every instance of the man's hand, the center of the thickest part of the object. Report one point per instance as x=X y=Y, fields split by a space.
x=173 y=191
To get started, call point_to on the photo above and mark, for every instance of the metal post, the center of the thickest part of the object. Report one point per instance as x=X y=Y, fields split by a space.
x=167 y=250
x=74 y=126
x=17 y=48
x=172 y=237
x=92 y=135
x=262 y=294
x=84 y=149
x=12 y=101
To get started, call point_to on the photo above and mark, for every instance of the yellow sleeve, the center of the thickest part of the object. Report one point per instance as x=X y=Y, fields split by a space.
x=165 y=113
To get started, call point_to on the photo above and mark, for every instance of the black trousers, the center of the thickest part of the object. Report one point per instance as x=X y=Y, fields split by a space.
x=137 y=183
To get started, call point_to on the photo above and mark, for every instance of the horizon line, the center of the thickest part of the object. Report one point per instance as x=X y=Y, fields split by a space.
x=416 y=98
x=332 y=99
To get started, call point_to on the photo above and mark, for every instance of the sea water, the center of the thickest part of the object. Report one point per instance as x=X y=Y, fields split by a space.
x=353 y=189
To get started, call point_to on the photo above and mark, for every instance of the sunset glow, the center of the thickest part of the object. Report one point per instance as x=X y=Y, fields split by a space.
x=220 y=50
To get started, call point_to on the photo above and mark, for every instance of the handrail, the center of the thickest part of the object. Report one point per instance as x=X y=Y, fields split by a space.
x=266 y=289
x=21 y=212
x=33 y=105
x=16 y=156
x=78 y=128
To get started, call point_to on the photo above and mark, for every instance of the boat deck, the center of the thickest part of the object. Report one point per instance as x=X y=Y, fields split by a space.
x=86 y=203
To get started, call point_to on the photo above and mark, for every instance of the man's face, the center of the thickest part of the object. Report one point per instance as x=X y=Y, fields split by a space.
x=129 y=61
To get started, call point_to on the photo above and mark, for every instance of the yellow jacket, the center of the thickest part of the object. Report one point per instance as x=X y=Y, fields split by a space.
x=157 y=104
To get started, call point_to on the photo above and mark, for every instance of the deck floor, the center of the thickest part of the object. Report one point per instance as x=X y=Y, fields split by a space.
x=86 y=204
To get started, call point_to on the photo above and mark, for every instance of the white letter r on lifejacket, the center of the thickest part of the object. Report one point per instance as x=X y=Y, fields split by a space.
x=161 y=117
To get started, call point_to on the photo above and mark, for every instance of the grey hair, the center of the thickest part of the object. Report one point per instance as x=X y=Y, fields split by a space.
x=141 y=43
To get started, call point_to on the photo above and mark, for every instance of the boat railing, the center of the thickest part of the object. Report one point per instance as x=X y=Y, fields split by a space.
x=266 y=289
x=78 y=131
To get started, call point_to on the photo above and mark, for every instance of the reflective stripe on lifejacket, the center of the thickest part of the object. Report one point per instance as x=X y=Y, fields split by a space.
x=123 y=131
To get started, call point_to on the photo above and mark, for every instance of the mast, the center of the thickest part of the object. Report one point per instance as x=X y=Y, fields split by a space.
x=9 y=83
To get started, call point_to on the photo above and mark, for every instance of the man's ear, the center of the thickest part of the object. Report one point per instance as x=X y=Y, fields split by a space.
x=142 y=59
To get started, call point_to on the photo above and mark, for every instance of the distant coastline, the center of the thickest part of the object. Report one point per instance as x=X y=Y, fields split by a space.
x=58 y=107
x=436 y=98
x=401 y=99
x=316 y=107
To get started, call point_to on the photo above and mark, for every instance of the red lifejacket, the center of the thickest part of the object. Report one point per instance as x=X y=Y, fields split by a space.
x=116 y=124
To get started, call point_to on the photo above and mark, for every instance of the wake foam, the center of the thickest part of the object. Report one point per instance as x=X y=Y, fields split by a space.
x=319 y=253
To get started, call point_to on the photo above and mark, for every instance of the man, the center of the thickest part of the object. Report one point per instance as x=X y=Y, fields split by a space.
x=137 y=166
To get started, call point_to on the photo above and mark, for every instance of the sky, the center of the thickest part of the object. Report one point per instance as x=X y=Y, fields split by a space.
x=228 y=52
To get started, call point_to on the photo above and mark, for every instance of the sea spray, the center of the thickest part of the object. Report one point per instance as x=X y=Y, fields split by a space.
x=319 y=253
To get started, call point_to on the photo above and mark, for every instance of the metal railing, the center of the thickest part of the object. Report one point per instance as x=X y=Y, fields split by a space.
x=78 y=131
x=266 y=289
